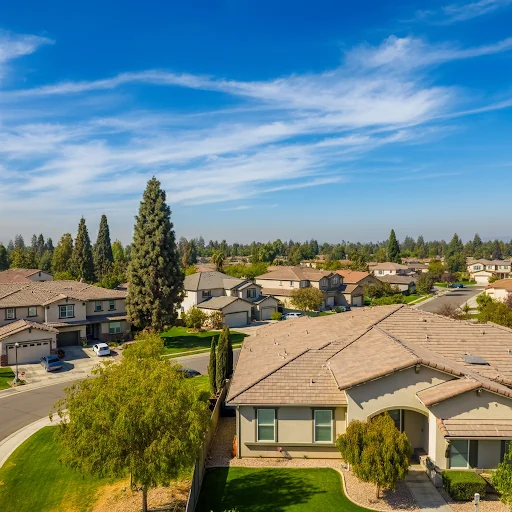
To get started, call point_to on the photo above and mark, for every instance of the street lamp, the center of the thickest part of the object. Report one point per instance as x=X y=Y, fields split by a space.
x=17 y=379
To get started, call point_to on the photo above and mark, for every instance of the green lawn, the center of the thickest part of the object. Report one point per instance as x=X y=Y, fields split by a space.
x=279 y=490
x=33 y=479
x=416 y=297
x=178 y=339
x=6 y=376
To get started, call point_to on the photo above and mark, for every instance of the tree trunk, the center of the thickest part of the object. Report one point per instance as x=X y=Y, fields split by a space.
x=378 y=492
x=144 y=499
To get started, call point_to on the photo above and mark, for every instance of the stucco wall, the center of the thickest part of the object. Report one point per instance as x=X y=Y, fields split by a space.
x=497 y=293
x=489 y=454
x=24 y=336
x=243 y=294
x=22 y=313
x=52 y=313
x=91 y=306
x=277 y=284
x=189 y=301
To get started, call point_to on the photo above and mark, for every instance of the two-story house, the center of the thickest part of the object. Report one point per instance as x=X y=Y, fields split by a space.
x=24 y=275
x=282 y=282
x=239 y=300
x=481 y=270
x=44 y=316
x=388 y=268
x=395 y=274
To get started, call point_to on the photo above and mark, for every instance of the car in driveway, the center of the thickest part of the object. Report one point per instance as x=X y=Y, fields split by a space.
x=288 y=316
x=51 y=363
x=188 y=373
x=101 y=349
x=456 y=285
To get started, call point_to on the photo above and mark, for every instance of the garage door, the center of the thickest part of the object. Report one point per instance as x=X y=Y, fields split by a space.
x=68 y=339
x=267 y=311
x=357 y=301
x=330 y=301
x=482 y=279
x=28 y=352
x=236 y=319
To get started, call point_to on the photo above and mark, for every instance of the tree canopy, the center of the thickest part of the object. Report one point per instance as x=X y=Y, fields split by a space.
x=393 y=248
x=82 y=264
x=307 y=299
x=103 y=257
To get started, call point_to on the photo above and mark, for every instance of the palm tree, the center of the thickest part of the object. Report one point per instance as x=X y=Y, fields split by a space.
x=218 y=258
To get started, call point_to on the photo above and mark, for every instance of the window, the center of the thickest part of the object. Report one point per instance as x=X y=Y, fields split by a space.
x=266 y=424
x=207 y=293
x=505 y=447
x=477 y=267
x=335 y=280
x=114 y=328
x=380 y=272
x=459 y=453
x=32 y=311
x=98 y=305
x=111 y=305
x=397 y=415
x=489 y=267
x=304 y=284
x=251 y=293
x=67 y=311
x=280 y=283
x=292 y=283
x=10 y=313
x=323 y=426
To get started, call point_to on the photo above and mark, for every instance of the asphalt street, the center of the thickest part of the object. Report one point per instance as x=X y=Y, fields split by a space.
x=455 y=297
x=25 y=407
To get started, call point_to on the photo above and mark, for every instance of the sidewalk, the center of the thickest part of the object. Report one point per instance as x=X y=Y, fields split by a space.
x=9 y=444
x=423 y=491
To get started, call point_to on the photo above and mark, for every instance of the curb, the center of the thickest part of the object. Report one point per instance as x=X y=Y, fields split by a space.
x=5 y=393
x=10 y=443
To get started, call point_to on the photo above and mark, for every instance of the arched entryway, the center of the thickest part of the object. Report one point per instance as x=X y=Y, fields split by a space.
x=414 y=423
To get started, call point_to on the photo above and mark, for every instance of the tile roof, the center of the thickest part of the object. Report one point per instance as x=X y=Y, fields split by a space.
x=112 y=317
x=18 y=275
x=352 y=276
x=210 y=280
x=447 y=390
x=502 y=284
x=397 y=279
x=389 y=265
x=466 y=428
x=218 y=302
x=22 y=325
x=279 y=292
x=296 y=274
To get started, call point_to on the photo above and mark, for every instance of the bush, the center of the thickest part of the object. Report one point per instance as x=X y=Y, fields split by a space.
x=337 y=309
x=391 y=299
x=194 y=318
x=276 y=316
x=462 y=485
x=214 y=320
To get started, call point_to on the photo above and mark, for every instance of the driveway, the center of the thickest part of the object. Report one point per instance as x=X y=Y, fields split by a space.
x=453 y=296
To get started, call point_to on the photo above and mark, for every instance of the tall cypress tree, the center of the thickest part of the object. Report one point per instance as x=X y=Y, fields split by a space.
x=393 y=248
x=222 y=360
x=229 y=369
x=4 y=258
x=103 y=257
x=154 y=273
x=212 y=368
x=82 y=265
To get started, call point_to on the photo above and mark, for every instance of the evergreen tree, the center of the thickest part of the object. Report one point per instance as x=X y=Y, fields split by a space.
x=19 y=243
x=49 y=245
x=496 y=253
x=40 y=245
x=212 y=368
x=154 y=273
x=222 y=360
x=477 y=244
x=18 y=258
x=455 y=246
x=82 y=265
x=33 y=242
x=31 y=259
x=103 y=257
x=10 y=247
x=229 y=370
x=118 y=251
x=61 y=259
x=4 y=258
x=393 y=248
x=45 y=261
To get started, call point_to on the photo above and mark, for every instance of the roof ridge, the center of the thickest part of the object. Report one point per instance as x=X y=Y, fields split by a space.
x=398 y=341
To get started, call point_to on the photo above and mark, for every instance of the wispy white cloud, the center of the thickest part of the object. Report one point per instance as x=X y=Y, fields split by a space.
x=462 y=11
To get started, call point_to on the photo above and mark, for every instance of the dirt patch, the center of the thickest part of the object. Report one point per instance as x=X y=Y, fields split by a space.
x=120 y=498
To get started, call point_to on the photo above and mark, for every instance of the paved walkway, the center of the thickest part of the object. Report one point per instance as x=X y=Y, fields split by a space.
x=423 y=491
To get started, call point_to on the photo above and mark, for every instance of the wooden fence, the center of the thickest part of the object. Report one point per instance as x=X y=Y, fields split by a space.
x=199 y=469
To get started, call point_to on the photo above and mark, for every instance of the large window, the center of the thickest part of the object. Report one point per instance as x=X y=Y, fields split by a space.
x=114 y=328
x=207 y=293
x=459 y=453
x=10 y=313
x=323 y=426
x=32 y=311
x=266 y=424
x=251 y=293
x=67 y=311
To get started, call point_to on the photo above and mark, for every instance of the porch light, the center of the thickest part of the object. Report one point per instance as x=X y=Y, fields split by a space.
x=417 y=368
x=479 y=391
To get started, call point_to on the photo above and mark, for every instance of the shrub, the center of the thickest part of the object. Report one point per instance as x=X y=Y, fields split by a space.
x=462 y=485
x=338 y=309
x=194 y=318
x=276 y=316
x=213 y=320
x=391 y=299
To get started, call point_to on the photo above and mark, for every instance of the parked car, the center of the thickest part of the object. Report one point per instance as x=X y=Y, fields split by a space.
x=456 y=285
x=288 y=316
x=101 y=349
x=344 y=308
x=51 y=363
x=189 y=373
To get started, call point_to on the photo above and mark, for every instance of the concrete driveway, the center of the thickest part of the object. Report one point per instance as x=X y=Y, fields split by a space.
x=77 y=364
x=453 y=296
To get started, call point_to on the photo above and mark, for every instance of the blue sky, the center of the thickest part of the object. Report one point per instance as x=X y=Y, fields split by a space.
x=326 y=119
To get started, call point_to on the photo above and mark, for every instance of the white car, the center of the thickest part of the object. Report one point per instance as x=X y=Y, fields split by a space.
x=101 y=349
x=288 y=316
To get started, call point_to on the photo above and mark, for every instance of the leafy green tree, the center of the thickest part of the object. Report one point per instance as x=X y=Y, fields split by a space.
x=491 y=310
x=103 y=257
x=436 y=269
x=189 y=254
x=45 y=261
x=307 y=299
x=190 y=270
x=4 y=258
x=18 y=258
x=425 y=282
x=212 y=368
x=118 y=251
x=61 y=260
x=154 y=273
x=218 y=258
x=31 y=259
x=502 y=478
x=82 y=264
x=194 y=318
x=221 y=370
x=19 y=243
x=377 y=451
x=141 y=417
x=393 y=248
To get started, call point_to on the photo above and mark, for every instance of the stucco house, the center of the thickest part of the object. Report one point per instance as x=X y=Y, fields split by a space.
x=481 y=270
x=45 y=316
x=239 y=300
x=24 y=275
x=282 y=282
x=357 y=277
x=446 y=383
x=388 y=268
x=405 y=283
x=500 y=290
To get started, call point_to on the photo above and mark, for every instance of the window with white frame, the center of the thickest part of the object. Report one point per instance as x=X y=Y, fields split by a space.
x=323 y=426
x=111 y=305
x=381 y=272
x=251 y=293
x=266 y=425
x=207 y=293
x=32 y=311
x=477 y=267
x=489 y=267
x=114 y=327
x=98 y=305
x=67 y=311
x=10 y=313
x=335 y=280
x=323 y=282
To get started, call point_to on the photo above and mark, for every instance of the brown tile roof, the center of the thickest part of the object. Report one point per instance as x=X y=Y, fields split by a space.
x=397 y=279
x=467 y=428
x=18 y=275
x=447 y=390
x=352 y=276
x=502 y=284
x=296 y=274
x=351 y=288
x=283 y=292
x=21 y=325
x=389 y=265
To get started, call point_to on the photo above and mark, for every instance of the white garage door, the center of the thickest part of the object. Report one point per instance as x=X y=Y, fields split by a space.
x=357 y=301
x=482 y=279
x=236 y=319
x=266 y=312
x=28 y=352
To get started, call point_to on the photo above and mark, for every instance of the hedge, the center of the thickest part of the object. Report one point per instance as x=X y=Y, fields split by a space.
x=462 y=485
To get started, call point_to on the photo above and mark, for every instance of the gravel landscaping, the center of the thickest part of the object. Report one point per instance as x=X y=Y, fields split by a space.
x=490 y=504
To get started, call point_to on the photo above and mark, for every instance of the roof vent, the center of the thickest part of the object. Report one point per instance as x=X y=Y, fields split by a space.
x=509 y=350
x=477 y=360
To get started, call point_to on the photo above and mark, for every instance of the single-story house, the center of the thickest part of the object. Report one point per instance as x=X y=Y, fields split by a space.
x=406 y=284
x=500 y=290
x=446 y=383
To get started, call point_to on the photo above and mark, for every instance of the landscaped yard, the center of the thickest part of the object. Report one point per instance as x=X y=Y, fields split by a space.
x=6 y=376
x=179 y=339
x=416 y=297
x=279 y=490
